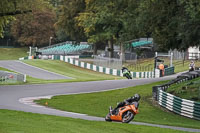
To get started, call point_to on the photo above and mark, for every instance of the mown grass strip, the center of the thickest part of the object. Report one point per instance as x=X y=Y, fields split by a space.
x=79 y=74
x=4 y=69
x=13 y=53
x=187 y=90
x=21 y=122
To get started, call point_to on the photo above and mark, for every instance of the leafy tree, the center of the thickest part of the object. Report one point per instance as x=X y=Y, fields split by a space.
x=35 y=29
x=55 y=3
x=69 y=9
x=95 y=20
x=189 y=27
x=8 y=9
x=156 y=17
x=173 y=24
x=110 y=21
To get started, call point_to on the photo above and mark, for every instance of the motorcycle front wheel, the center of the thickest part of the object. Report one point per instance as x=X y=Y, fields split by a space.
x=128 y=76
x=127 y=117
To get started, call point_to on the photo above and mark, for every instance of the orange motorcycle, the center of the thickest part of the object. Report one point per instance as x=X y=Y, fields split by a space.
x=124 y=114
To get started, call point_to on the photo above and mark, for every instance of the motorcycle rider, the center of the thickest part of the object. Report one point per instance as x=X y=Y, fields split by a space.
x=135 y=98
x=124 y=68
x=192 y=66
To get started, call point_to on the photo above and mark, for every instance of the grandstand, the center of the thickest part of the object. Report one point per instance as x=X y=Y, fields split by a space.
x=65 y=48
x=141 y=43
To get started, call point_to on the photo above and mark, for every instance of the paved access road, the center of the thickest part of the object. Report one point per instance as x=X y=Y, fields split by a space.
x=32 y=71
x=20 y=97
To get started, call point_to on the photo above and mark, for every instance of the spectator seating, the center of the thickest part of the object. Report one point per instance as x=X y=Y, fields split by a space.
x=141 y=43
x=64 y=49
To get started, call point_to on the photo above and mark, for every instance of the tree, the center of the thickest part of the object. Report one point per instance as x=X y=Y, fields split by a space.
x=69 y=10
x=35 y=29
x=10 y=8
x=173 y=24
x=110 y=21
x=95 y=21
x=189 y=28
x=157 y=17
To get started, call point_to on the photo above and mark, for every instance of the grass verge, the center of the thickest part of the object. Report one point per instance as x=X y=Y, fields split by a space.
x=96 y=104
x=4 y=69
x=13 y=53
x=79 y=74
x=21 y=122
x=188 y=90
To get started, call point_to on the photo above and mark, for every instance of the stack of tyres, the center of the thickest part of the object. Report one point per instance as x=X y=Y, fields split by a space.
x=187 y=75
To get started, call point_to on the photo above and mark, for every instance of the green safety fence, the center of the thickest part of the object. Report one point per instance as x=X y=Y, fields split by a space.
x=169 y=71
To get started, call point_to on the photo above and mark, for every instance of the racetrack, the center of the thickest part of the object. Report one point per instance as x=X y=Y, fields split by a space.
x=32 y=71
x=20 y=97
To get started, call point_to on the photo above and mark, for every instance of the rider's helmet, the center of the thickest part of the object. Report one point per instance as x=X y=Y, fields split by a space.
x=137 y=97
x=123 y=67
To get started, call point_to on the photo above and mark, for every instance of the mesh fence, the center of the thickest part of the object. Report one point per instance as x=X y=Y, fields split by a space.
x=108 y=62
x=178 y=55
x=8 y=77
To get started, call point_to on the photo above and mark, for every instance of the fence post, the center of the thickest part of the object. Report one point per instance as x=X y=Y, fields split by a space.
x=199 y=92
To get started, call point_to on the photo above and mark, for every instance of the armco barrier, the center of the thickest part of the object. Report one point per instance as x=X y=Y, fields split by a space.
x=101 y=69
x=180 y=106
x=175 y=104
x=11 y=77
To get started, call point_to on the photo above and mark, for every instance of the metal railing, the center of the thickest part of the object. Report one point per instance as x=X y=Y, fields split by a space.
x=9 y=77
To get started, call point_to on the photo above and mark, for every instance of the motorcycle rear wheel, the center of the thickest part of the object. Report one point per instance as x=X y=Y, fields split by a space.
x=107 y=118
x=127 y=117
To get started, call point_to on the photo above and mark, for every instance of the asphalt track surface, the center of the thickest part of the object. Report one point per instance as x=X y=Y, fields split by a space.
x=20 y=97
x=32 y=71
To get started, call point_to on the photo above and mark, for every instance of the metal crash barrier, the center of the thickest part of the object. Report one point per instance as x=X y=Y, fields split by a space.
x=175 y=104
x=180 y=106
x=10 y=77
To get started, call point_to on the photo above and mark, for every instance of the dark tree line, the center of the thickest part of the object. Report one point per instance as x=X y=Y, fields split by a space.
x=172 y=23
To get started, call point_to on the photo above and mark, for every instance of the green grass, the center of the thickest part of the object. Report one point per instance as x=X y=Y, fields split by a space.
x=148 y=65
x=4 y=69
x=78 y=74
x=188 y=90
x=13 y=53
x=21 y=122
x=96 y=104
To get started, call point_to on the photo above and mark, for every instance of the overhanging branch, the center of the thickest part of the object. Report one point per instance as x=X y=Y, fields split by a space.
x=14 y=13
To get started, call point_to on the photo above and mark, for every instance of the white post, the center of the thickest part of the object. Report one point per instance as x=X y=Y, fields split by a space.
x=50 y=40
x=24 y=77
x=156 y=54
x=171 y=60
x=29 y=51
